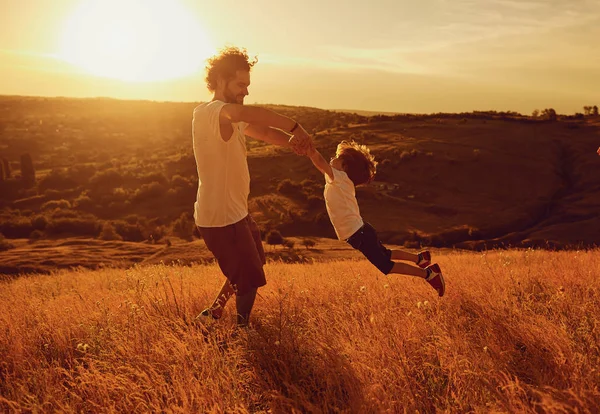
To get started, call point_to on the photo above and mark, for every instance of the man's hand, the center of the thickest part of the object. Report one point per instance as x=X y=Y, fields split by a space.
x=302 y=140
x=296 y=146
x=598 y=151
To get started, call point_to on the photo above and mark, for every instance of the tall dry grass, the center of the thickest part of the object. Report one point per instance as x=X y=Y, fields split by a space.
x=518 y=331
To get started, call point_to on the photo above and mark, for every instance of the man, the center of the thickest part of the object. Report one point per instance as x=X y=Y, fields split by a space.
x=221 y=208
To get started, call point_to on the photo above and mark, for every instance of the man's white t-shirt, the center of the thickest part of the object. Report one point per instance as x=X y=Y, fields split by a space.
x=223 y=176
x=341 y=204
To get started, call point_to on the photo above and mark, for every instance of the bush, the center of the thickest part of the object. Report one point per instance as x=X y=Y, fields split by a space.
x=5 y=244
x=35 y=235
x=81 y=173
x=274 y=238
x=73 y=226
x=288 y=187
x=322 y=219
x=119 y=194
x=54 y=204
x=57 y=179
x=16 y=227
x=107 y=179
x=83 y=202
x=58 y=213
x=308 y=243
x=157 y=233
x=183 y=227
x=129 y=231
x=154 y=178
x=108 y=232
x=179 y=181
x=150 y=191
x=315 y=202
x=39 y=223
x=308 y=183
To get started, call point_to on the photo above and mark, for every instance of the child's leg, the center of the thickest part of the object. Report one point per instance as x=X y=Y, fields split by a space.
x=422 y=259
x=432 y=274
x=408 y=269
x=405 y=256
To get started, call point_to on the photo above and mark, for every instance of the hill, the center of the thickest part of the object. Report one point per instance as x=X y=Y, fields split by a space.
x=124 y=170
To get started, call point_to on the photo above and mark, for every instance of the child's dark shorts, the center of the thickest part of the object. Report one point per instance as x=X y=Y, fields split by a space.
x=366 y=241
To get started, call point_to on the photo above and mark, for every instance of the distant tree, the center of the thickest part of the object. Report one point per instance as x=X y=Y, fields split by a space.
x=27 y=170
x=549 y=114
x=535 y=113
x=595 y=110
x=587 y=110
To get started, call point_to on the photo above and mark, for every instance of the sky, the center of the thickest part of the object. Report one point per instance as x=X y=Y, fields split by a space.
x=381 y=55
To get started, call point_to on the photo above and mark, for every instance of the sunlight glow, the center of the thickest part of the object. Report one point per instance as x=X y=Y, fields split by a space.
x=134 y=40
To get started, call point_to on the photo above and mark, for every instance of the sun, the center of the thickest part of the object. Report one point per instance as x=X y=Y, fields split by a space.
x=134 y=40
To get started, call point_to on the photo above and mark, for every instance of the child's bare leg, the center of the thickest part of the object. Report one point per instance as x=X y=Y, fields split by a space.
x=405 y=256
x=409 y=270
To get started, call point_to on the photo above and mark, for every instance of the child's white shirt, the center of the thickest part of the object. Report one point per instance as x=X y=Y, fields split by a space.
x=341 y=204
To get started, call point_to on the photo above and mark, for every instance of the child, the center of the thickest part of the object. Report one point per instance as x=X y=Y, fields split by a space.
x=354 y=165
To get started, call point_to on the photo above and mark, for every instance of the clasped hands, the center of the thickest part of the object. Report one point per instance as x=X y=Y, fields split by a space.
x=301 y=143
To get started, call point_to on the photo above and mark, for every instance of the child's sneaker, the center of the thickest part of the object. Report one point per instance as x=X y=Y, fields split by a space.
x=424 y=259
x=436 y=279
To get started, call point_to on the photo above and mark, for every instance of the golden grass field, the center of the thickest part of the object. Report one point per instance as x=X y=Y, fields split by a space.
x=518 y=331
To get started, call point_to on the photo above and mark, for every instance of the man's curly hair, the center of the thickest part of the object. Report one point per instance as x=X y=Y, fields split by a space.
x=226 y=63
x=358 y=162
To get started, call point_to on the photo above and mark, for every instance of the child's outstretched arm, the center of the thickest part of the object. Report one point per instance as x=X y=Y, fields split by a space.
x=319 y=162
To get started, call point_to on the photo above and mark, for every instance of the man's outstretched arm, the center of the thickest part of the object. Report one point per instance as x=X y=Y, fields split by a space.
x=260 y=118
x=273 y=136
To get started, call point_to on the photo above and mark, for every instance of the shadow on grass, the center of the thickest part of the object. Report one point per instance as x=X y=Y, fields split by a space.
x=299 y=374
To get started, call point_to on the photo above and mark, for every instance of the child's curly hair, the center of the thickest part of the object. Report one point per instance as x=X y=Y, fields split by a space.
x=226 y=63
x=357 y=161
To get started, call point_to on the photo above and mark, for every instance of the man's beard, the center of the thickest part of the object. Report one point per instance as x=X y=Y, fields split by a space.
x=231 y=98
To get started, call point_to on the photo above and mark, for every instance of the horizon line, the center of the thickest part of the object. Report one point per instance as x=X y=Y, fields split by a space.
x=341 y=110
